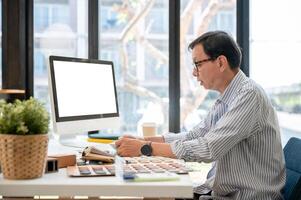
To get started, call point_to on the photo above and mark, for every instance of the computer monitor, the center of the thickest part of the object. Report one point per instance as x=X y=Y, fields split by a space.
x=83 y=96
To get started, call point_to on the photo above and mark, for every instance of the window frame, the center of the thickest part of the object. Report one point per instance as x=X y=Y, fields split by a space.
x=20 y=73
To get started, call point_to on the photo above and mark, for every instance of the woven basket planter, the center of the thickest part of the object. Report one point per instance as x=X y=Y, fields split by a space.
x=23 y=157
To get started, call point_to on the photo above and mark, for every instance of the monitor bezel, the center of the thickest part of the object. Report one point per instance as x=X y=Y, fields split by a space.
x=53 y=58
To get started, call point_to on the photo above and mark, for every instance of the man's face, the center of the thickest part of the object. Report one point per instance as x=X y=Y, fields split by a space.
x=207 y=70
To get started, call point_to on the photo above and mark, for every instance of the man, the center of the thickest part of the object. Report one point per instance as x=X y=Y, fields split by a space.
x=240 y=135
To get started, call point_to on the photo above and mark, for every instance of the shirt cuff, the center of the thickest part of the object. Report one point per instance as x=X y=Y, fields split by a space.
x=192 y=150
x=179 y=149
x=170 y=137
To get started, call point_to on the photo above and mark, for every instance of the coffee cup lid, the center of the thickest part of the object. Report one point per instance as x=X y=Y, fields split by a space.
x=149 y=124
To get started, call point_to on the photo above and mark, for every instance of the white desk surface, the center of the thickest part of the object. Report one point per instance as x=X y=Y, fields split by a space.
x=60 y=184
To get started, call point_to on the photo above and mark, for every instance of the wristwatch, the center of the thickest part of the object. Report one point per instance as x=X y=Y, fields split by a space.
x=147 y=149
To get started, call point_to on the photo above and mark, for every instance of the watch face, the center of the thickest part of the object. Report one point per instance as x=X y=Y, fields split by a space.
x=146 y=150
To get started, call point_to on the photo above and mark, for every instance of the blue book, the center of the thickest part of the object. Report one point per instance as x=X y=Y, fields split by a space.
x=110 y=136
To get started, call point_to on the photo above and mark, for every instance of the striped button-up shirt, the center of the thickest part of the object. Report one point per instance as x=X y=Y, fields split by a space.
x=241 y=136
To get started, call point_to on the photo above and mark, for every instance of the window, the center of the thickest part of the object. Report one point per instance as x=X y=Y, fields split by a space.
x=157 y=20
x=109 y=19
x=274 y=51
x=198 y=17
x=60 y=28
x=139 y=50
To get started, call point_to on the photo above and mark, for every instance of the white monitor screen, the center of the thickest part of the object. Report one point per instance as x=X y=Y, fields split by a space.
x=83 y=89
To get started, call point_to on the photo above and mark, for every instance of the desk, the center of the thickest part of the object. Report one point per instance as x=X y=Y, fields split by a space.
x=61 y=185
x=11 y=94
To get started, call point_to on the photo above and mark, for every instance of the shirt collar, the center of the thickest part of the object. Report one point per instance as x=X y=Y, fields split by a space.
x=232 y=88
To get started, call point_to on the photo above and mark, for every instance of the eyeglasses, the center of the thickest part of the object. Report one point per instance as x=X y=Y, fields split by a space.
x=198 y=64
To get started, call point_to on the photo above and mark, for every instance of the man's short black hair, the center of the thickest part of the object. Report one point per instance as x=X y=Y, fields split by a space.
x=216 y=43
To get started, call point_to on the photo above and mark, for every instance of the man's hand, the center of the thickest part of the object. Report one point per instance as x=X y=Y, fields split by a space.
x=129 y=147
x=132 y=137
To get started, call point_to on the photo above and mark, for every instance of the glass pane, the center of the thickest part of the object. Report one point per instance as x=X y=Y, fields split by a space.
x=274 y=59
x=134 y=35
x=60 y=28
x=198 y=17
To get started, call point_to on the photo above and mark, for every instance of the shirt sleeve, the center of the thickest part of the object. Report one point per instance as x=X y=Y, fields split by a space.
x=201 y=129
x=170 y=137
x=235 y=125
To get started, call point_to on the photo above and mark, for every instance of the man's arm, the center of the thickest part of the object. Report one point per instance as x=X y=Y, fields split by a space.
x=162 y=149
x=161 y=144
x=159 y=139
x=131 y=147
x=235 y=125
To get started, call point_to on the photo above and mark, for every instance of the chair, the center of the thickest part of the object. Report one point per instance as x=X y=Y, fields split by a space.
x=292 y=154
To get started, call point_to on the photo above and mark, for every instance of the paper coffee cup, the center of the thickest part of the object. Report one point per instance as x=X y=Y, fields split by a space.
x=149 y=129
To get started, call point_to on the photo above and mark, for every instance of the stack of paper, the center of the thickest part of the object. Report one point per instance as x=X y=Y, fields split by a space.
x=94 y=153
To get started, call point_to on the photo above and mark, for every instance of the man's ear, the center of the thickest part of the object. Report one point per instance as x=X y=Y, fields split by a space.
x=222 y=63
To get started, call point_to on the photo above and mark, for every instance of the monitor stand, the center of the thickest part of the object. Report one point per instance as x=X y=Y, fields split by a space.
x=80 y=142
x=76 y=141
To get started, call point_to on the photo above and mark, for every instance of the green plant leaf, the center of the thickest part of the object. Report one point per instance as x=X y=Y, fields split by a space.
x=26 y=117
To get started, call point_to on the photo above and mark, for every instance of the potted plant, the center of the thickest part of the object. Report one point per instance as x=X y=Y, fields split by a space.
x=23 y=138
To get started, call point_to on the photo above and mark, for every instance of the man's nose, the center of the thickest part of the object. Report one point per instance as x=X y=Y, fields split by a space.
x=194 y=72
